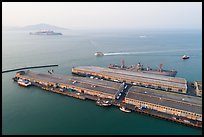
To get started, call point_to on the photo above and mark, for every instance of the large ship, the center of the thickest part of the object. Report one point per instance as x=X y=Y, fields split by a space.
x=139 y=68
x=45 y=32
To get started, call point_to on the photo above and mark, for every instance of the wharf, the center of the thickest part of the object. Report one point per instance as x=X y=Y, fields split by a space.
x=92 y=89
x=175 y=84
x=165 y=116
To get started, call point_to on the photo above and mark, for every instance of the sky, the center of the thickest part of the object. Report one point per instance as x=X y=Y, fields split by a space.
x=104 y=15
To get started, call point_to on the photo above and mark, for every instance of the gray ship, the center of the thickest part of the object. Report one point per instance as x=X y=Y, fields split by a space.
x=139 y=68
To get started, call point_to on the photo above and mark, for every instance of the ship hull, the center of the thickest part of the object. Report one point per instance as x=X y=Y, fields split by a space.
x=23 y=84
x=164 y=72
x=125 y=110
x=45 y=34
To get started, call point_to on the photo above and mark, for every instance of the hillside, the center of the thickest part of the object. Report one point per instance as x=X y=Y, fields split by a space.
x=35 y=27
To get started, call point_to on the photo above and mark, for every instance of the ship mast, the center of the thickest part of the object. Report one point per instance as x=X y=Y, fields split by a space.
x=160 y=67
x=122 y=63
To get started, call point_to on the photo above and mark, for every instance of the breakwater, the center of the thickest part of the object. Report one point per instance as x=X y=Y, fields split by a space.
x=29 y=67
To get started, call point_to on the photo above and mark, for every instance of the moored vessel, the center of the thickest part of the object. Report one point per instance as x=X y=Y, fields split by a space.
x=45 y=32
x=103 y=103
x=24 y=83
x=124 y=109
x=139 y=68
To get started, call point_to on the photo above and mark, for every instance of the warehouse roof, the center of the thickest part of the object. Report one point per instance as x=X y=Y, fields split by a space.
x=136 y=76
x=88 y=83
x=173 y=100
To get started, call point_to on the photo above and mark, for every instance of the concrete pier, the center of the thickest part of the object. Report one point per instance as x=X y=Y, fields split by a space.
x=132 y=98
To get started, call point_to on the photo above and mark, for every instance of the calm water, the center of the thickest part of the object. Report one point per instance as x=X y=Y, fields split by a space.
x=35 y=111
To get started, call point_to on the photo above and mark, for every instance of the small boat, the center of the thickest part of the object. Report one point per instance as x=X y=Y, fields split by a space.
x=186 y=121
x=185 y=57
x=99 y=54
x=124 y=110
x=142 y=36
x=103 y=103
x=24 y=83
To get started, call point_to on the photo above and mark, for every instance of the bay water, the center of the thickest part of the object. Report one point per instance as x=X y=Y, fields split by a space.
x=34 y=111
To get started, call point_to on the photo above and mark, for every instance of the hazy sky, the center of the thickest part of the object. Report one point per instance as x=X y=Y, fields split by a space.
x=104 y=15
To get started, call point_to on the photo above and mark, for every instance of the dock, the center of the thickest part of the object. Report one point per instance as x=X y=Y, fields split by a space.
x=168 y=83
x=171 y=106
x=83 y=85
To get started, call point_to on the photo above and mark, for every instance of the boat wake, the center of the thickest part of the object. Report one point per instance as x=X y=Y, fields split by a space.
x=145 y=52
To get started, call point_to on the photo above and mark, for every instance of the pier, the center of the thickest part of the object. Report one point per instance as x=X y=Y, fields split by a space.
x=30 y=67
x=167 y=83
x=94 y=87
x=161 y=104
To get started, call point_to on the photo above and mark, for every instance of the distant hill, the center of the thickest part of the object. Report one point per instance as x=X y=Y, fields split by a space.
x=43 y=27
x=36 y=27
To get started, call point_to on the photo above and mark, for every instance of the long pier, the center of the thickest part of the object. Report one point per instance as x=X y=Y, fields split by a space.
x=30 y=67
x=174 y=84
x=94 y=89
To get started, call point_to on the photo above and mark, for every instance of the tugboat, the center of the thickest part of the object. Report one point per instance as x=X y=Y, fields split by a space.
x=24 y=83
x=185 y=57
x=99 y=54
x=124 y=110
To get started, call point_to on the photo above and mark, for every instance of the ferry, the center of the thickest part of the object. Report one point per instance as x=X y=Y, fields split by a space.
x=45 y=32
x=99 y=54
x=185 y=57
x=124 y=110
x=24 y=83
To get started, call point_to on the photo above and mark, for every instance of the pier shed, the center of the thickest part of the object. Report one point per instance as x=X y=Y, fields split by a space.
x=95 y=87
x=168 y=83
x=167 y=102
